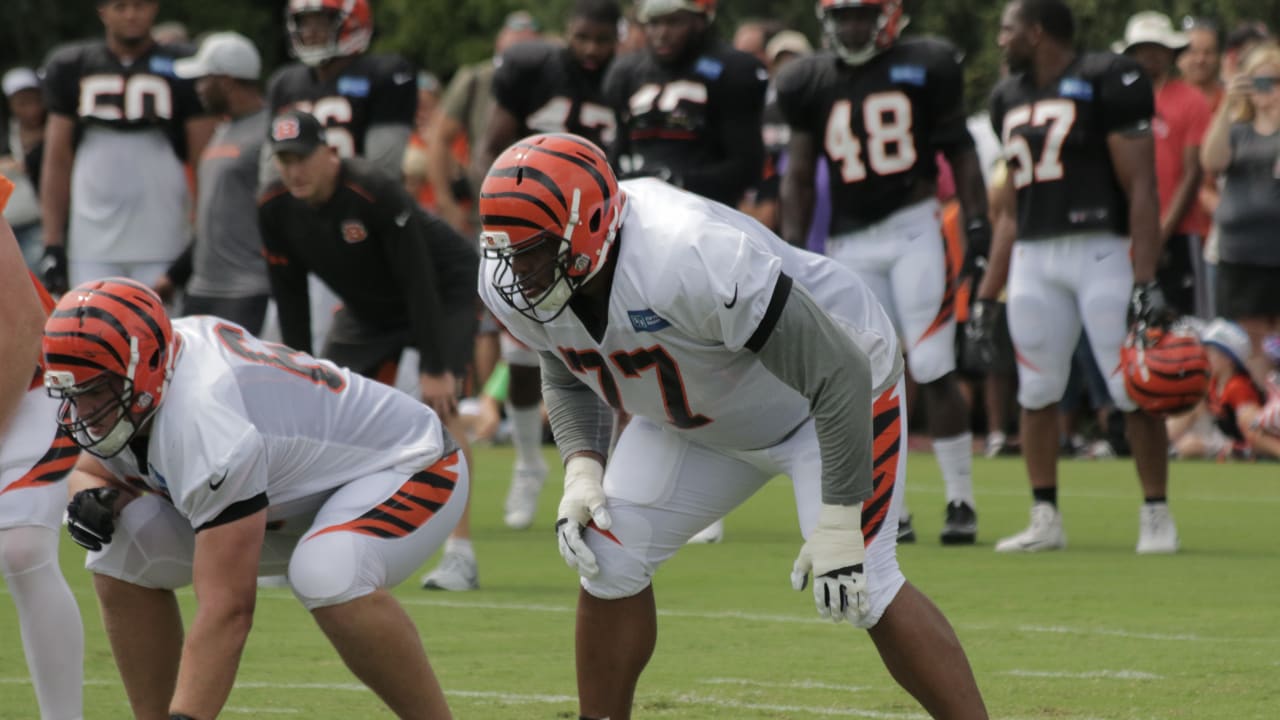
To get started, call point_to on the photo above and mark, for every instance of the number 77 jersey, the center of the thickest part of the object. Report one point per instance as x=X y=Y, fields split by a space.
x=1055 y=143
x=880 y=124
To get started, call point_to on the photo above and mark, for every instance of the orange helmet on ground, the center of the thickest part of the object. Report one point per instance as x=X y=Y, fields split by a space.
x=1166 y=371
x=108 y=339
x=553 y=188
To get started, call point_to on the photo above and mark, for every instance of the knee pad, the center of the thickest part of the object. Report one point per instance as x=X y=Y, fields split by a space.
x=153 y=546
x=332 y=568
x=26 y=548
x=516 y=352
x=622 y=574
x=934 y=356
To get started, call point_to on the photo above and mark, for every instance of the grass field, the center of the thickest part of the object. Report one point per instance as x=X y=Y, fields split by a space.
x=1093 y=632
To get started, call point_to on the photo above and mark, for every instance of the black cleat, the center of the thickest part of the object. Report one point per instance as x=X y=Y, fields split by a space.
x=961 y=527
x=906 y=533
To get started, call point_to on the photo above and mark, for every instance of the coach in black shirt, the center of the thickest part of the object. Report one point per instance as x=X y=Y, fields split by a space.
x=405 y=278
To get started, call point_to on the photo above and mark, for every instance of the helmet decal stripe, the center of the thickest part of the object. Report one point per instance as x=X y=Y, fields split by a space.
x=595 y=174
x=75 y=361
x=498 y=220
x=532 y=173
x=89 y=338
x=156 y=332
x=88 y=312
x=527 y=198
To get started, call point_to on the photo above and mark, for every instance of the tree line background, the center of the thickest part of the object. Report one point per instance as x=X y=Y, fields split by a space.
x=440 y=35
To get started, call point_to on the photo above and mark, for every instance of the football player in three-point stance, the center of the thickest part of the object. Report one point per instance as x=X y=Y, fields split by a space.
x=542 y=87
x=34 y=458
x=210 y=453
x=738 y=357
x=880 y=109
x=1077 y=134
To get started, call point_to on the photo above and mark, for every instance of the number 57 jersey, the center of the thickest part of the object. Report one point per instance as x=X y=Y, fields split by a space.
x=243 y=418
x=697 y=291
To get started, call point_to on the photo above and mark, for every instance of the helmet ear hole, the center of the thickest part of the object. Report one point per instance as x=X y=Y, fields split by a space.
x=154 y=361
x=594 y=223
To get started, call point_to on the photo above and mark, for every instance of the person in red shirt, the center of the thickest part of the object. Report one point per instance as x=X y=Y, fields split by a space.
x=1182 y=115
x=1223 y=425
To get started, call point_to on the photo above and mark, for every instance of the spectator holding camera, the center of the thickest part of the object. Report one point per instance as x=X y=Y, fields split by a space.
x=1243 y=144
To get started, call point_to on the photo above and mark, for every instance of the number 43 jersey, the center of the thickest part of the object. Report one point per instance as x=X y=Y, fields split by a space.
x=541 y=85
x=880 y=124
x=242 y=418
x=696 y=292
x=1055 y=143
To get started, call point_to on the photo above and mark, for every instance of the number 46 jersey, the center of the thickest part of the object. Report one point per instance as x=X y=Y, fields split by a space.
x=1055 y=143
x=880 y=124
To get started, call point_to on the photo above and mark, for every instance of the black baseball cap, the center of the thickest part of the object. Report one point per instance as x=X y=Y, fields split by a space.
x=295 y=132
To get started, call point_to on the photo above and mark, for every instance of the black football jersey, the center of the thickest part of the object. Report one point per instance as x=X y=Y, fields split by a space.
x=699 y=122
x=87 y=82
x=1055 y=143
x=546 y=89
x=372 y=90
x=881 y=123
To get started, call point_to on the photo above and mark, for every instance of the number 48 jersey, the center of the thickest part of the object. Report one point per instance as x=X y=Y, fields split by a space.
x=1055 y=143
x=543 y=87
x=880 y=123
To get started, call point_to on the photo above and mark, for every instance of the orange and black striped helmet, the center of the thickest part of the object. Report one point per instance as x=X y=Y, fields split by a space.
x=108 y=346
x=1166 y=371
x=555 y=188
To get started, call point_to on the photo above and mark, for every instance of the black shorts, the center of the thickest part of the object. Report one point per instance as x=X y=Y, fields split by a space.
x=248 y=312
x=375 y=352
x=1248 y=291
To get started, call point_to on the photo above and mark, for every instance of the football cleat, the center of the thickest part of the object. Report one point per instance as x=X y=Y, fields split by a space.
x=961 y=526
x=1044 y=533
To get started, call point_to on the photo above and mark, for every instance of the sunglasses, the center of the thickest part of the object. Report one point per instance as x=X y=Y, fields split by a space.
x=1265 y=83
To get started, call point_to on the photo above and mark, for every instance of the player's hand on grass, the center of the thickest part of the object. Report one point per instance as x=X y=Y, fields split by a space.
x=835 y=554
x=583 y=503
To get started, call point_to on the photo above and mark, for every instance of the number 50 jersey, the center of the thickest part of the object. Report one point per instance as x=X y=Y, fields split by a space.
x=1055 y=143
x=880 y=124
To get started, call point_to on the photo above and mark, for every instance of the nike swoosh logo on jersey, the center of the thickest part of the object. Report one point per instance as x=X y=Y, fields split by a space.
x=1103 y=255
x=402 y=218
x=734 y=301
x=215 y=485
x=1130 y=78
x=401 y=78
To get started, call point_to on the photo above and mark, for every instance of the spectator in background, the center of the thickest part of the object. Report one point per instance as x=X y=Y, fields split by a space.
x=113 y=190
x=1246 y=36
x=752 y=37
x=1243 y=143
x=228 y=277
x=170 y=32
x=404 y=277
x=1201 y=66
x=1182 y=114
x=22 y=163
x=417 y=157
x=464 y=112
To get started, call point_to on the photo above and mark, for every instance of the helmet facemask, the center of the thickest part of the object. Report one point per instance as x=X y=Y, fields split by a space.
x=552 y=273
x=110 y=399
x=344 y=36
x=889 y=22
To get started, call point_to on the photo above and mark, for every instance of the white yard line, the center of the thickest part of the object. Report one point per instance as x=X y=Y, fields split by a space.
x=1088 y=675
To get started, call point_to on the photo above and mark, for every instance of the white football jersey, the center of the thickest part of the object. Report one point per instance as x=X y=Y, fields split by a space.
x=693 y=283
x=242 y=417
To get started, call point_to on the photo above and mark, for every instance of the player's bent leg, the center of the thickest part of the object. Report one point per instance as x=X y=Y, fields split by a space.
x=49 y=619
x=380 y=644
x=134 y=576
x=922 y=653
x=614 y=640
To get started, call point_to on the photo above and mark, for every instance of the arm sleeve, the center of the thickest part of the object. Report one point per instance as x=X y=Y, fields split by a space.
x=384 y=147
x=795 y=101
x=457 y=99
x=739 y=118
x=1126 y=97
x=579 y=419
x=408 y=247
x=946 y=93
x=59 y=84
x=813 y=355
x=288 y=282
x=615 y=94
x=395 y=101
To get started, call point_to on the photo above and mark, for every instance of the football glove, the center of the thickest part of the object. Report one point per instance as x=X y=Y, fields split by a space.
x=583 y=503
x=1148 y=307
x=835 y=554
x=979 y=353
x=90 y=517
x=977 y=247
x=52 y=269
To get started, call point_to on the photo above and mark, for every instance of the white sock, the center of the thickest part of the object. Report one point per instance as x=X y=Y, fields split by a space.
x=526 y=436
x=460 y=546
x=52 y=631
x=955 y=457
x=905 y=514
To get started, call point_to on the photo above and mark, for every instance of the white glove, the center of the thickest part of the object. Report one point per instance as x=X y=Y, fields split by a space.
x=582 y=503
x=835 y=554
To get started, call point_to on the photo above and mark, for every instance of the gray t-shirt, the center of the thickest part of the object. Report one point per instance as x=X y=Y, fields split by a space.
x=1250 y=210
x=228 y=260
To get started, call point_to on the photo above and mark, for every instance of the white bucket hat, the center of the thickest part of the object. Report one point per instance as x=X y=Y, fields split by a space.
x=1229 y=338
x=1150 y=27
